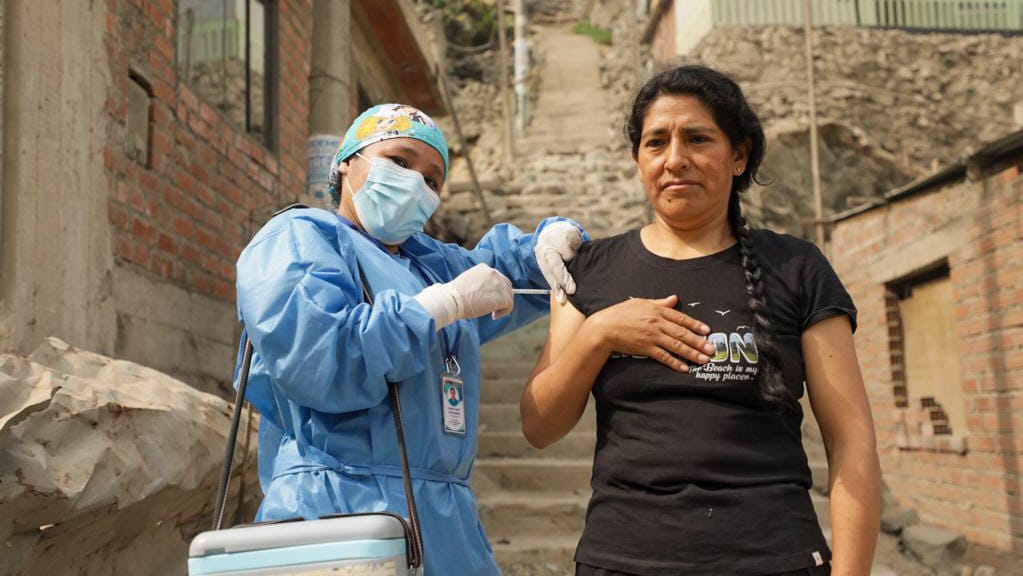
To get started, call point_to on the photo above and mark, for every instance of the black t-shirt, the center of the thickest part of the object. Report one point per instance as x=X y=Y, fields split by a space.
x=691 y=475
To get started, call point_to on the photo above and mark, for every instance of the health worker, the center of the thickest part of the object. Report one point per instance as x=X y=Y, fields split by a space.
x=323 y=355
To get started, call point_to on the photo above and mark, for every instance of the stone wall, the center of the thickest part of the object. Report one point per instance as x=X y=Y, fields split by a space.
x=892 y=106
x=969 y=480
x=899 y=104
x=922 y=98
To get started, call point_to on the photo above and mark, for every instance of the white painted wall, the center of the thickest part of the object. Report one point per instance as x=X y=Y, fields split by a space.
x=694 y=19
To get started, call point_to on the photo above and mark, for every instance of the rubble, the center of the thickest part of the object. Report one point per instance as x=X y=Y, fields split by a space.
x=105 y=465
x=941 y=550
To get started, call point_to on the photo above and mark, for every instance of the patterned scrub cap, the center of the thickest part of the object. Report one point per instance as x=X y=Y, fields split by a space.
x=382 y=122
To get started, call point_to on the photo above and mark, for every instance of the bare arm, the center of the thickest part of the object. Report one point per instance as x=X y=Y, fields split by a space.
x=840 y=404
x=577 y=348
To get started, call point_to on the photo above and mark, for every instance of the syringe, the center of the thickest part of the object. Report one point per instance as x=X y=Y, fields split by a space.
x=543 y=291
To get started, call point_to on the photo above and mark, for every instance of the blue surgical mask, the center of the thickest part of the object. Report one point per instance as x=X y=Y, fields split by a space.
x=394 y=203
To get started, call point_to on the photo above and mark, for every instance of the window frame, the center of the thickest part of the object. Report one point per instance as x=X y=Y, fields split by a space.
x=271 y=35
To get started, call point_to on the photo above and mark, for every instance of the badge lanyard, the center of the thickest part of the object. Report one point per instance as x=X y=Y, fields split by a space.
x=452 y=386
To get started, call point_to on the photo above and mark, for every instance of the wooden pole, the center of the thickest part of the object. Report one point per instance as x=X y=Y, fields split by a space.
x=506 y=105
x=818 y=199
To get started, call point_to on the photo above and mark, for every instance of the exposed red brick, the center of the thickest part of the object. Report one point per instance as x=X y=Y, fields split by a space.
x=143 y=230
x=180 y=218
x=986 y=274
x=183 y=227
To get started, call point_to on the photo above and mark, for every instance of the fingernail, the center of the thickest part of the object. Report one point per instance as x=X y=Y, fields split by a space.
x=709 y=348
x=703 y=358
x=704 y=329
x=685 y=368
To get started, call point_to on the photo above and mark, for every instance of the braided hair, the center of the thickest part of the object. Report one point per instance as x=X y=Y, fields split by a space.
x=736 y=118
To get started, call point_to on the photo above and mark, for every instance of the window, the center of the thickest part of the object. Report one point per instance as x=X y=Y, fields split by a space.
x=925 y=353
x=224 y=49
x=139 y=104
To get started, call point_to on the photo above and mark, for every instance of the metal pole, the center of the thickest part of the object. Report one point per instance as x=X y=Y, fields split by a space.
x=330 y=70
x=330 y=93
x=509 y=150
x=521 y=47
x=635 y=37
x=818 y=200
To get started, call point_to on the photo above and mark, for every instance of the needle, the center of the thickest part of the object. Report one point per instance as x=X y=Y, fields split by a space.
x=530 y=291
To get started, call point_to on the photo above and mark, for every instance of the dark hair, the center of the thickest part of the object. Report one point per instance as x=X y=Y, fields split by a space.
x=737 y=120
x=334 y=186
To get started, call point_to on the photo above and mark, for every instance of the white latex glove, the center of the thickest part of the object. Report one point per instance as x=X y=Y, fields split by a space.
x=556 y=245
x=477 y=291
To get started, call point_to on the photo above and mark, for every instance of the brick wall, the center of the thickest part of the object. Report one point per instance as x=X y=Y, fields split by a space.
x=185 y=217
x=179 y=219
x=978 y=228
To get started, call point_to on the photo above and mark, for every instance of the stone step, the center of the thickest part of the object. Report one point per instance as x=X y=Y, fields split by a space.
x=536 y=555
x=505 y=369
x=502 y=390
x=574 y=185
x=513 y=353
x=507 y=418
x=575 y=445
x=522 y=346
x=563 y=133
x=558 y=145
x=565 y=104
x=819 y=474
x=821 y=506
x=560 y=166
x=814 y=451
x=534 y=475
x=574 y=132
x=507 y=515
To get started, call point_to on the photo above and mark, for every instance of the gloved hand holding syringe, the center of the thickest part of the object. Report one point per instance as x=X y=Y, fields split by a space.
x=473 y=293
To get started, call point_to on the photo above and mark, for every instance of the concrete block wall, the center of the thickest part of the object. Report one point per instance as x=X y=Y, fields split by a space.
x=978 y=228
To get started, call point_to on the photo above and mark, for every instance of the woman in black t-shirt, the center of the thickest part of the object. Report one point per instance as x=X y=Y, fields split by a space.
x=699 y=466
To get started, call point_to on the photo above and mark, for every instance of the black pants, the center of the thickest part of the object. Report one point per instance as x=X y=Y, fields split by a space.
x=584 y=570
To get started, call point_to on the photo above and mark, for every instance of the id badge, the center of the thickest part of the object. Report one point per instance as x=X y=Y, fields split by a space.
x=453 y=403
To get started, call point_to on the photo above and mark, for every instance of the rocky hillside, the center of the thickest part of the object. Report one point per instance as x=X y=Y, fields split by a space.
x=892 y=106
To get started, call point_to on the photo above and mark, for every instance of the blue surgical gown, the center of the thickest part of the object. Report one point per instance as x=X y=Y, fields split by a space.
x=323 y=357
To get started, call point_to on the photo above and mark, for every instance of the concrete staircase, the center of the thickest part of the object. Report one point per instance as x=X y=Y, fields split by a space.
x=571 y=107
x=571 y=161
x=532 y=502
